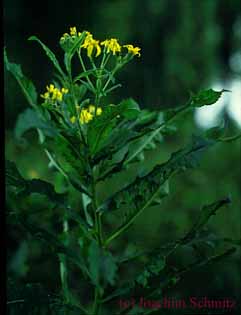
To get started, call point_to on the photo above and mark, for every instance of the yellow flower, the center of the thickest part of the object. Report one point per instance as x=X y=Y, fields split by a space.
x=73 y=31
x=45 y=95
x=54 y=93
x=92 y=109
x=85 y=116
x=90 y=44
x=99 y=111
x=64 y=91
x=73 y=119
x=59 y=96
x=111 y=45
x=50 y=88
x=133 y=50
x=64 y=37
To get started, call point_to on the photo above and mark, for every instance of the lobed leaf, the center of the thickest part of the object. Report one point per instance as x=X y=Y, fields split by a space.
x=145 y=190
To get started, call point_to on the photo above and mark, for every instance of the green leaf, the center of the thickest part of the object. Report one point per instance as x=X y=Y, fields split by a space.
x=130 y=108
x=146 y=189
x=50 y=54
x=76 y=216
x=50 y=238
x=205 y=97
x=72 y=50
x=27 y=187
x=215 y=132
x=207 y=261
x=205 y=214
x=109 y=168
x=27 y=86
x=152 y=269
x=30 y=119
x=100 y=131
x=13 y=177
x=233 y=242
x=102 y=265
x=94 y=260
x=109 y=268
x=43 y=188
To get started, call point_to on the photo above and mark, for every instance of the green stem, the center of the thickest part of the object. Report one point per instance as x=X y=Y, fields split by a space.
x=63 y=267
x=229 y=139
x=84 y=68
x=76 y=111
x=110 y=77
x=98 y=227
x=96 y=305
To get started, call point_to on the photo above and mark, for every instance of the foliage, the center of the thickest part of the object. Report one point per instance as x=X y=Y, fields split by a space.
x=88 y=141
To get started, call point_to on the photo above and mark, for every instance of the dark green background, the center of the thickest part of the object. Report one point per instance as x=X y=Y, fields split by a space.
x=186 y=45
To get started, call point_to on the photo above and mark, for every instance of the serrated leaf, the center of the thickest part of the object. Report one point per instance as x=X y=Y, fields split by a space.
x=145 y=190
x=143 y=187
x=27 y=86
x=30 y=119
x=49 y=53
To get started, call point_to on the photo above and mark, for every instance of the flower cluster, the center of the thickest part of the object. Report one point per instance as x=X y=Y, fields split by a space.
x=133 y=50
x=85 y=115
x=72 y=34
x=53 y=93
x=93 y=46
x=111 y=45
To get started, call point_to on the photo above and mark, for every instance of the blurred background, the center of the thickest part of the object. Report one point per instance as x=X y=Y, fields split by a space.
x=186 y=45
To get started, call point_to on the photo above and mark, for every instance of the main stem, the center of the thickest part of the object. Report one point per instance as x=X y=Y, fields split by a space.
x=63 y=267
x=98 y=228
